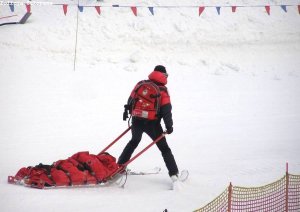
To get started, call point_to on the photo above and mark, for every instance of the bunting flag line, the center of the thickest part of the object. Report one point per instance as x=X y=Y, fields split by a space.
x=151 y=8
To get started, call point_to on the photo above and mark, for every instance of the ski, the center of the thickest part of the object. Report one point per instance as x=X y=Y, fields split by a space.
x=177 y=184
x=184 y=174
x=155 y=170
x=22 y=21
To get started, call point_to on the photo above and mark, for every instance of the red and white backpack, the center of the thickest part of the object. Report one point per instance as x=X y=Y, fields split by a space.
x=146 y=100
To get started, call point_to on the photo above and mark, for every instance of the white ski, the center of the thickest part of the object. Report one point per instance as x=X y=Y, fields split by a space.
x=155 y=170
x=178 y=183
x=184 y=174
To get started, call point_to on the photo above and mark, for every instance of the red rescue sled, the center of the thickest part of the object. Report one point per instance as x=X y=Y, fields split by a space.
x=81 y=169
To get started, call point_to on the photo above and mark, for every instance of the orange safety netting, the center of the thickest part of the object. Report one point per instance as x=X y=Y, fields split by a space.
x=281 y=195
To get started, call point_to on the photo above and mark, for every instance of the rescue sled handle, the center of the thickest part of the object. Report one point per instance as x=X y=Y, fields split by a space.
x=114 y=141
x=146 y=148
x=141 y=152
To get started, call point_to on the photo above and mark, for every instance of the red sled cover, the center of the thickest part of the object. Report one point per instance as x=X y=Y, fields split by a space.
x=81 y=168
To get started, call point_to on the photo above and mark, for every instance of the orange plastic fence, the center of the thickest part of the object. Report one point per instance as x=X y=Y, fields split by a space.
x=282 y=195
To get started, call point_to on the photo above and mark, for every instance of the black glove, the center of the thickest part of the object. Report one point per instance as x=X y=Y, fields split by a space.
x=169 y=129
x=125 y=113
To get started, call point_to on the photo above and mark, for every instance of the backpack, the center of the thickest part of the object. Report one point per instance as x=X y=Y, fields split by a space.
x=146 y=100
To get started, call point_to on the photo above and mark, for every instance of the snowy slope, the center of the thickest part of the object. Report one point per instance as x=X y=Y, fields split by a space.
x=234 y=82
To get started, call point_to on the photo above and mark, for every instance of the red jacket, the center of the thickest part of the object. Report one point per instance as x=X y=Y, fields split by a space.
x=165 y=105
x=161 y=80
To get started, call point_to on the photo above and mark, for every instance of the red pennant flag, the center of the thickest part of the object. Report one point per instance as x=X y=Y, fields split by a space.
x=28 y=7
x=233 y=9
x=98 y=9
x=268 y=9
x=299 y=9
x=134 y=10
x=201 y=9
x=65 y=7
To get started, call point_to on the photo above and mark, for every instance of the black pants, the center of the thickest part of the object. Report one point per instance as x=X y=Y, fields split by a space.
x=154 y=130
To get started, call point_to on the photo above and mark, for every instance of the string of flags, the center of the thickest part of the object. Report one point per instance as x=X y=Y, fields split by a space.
x=134 y=9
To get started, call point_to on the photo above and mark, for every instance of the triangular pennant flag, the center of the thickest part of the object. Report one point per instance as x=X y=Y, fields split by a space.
x=233 y=9
x=80 y=8
x=134 y=10
x=268 y=9
x=218 y=10
x=65 y=8
x=12 y=7
x=98 y=9
x=284 y=8
x=151 y=10
x=201 y=9
x=28 y=8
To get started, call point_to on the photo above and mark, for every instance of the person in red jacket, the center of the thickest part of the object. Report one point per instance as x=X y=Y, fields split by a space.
x=153 y=128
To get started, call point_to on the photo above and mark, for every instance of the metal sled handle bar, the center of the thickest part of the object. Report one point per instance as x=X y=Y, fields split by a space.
x=138 y=154
x=145 y=149
x=114 y=141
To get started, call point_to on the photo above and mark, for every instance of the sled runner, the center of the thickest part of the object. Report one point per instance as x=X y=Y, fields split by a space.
x=22 y=21
x=81 y=170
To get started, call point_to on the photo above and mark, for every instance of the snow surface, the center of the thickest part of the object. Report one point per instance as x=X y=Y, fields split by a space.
x=234 y=80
